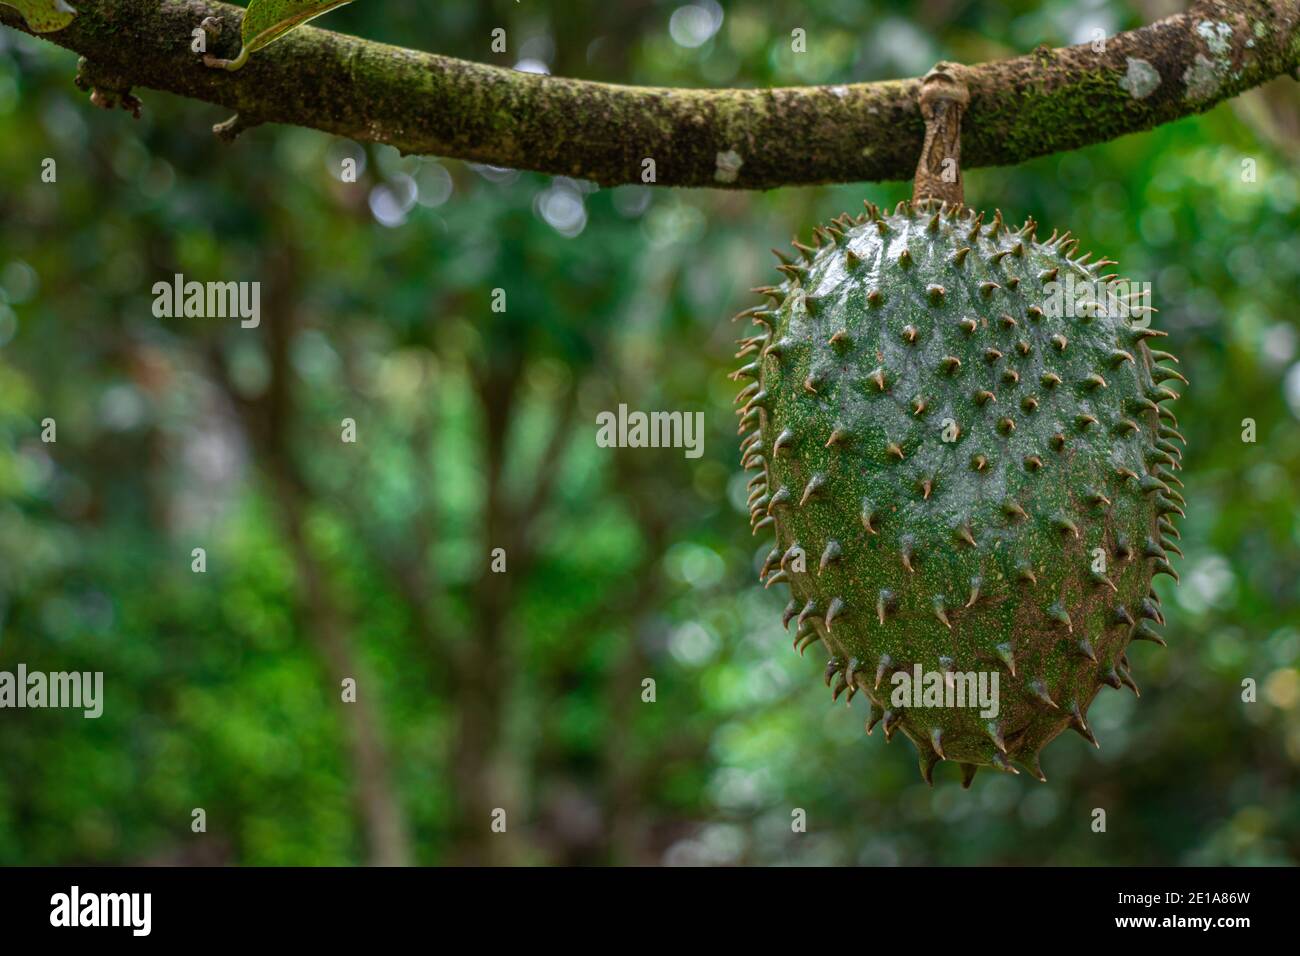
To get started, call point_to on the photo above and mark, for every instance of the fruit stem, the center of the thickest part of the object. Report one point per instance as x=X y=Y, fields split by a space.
x=944 y=98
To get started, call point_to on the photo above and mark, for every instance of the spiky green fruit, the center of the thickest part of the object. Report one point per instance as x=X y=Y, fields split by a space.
x=959 y=477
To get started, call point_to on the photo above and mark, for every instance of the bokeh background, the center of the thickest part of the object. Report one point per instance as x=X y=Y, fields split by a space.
x=477 y=430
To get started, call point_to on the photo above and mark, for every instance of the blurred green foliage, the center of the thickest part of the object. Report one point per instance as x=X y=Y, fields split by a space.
x=523 y=691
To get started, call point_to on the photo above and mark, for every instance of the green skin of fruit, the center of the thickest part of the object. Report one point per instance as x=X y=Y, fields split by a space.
x=1004 y=514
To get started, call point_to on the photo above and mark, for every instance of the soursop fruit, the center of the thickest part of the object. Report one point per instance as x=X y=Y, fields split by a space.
x=959 y=477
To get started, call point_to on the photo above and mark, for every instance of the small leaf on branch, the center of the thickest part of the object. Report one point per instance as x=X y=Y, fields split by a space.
x=268 y=20
x=43 y=16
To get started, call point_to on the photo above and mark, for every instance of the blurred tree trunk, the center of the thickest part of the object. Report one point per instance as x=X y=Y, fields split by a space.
x=485 y=770
x=482 y=663
x=378 y=802
x=268 y=422
x=625 y=775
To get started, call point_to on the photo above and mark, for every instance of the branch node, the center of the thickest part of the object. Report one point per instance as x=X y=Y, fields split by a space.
x=213 y=26
x=108 y=90
x=228 y=130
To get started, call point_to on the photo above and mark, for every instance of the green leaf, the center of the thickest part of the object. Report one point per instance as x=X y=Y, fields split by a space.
x=268 y=20
x=43 y=16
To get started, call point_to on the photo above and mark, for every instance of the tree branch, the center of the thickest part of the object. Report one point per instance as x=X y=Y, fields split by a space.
x=1047 y=101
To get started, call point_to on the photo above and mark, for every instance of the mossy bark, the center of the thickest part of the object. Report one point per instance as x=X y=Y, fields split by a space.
x=1044 y=102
